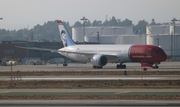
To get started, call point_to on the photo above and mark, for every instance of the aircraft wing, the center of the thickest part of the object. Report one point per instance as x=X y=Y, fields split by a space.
x=41 y=49
x=90 y=55
x=110 y=57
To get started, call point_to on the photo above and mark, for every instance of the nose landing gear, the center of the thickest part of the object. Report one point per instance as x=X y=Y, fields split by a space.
x=156 y=65
x=144 y=65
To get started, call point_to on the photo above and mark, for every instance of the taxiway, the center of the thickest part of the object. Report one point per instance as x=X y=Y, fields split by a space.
x=89 y=103
x=83 y=67
x=95 y=77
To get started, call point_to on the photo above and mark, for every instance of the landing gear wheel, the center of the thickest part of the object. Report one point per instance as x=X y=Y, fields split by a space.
x=65 y=64
x=144 y=69
x=156 y=67
x=124 y=66
x=117 y=66
x=94 y=67
x=121 y=66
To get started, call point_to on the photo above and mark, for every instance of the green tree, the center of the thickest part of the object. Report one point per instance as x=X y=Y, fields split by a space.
x=152 y=22
x=77 y=24
x=87 y=23
x=126 y=23
x=113 y=21
x=118 y=22
x=97 y=23
x=141 y=26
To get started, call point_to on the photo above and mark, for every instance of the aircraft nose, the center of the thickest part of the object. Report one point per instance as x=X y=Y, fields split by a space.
x=162 y=55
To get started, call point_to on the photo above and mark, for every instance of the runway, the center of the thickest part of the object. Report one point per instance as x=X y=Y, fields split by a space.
x=165 y=66
x=113 y=91
x=84 y=67
x=95 y=77
x=90 y=103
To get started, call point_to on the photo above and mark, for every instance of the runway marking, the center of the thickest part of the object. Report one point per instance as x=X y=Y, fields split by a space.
x=61 y=93
x=123 y=92
x=5 y=92
x=120 y=78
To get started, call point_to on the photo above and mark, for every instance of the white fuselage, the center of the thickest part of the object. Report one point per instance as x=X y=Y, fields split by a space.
x=121 y=51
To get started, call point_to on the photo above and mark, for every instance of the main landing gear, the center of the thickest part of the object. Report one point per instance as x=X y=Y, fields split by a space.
x=156 y=65
x=97 y=67
x=121 y=66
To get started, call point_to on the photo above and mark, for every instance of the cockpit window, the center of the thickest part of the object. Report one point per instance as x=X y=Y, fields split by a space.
x=159 y=51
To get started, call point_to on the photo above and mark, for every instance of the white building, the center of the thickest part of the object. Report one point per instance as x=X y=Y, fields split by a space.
x=117 y=39
x=163 y=36
x=78 y=36
x=160 y=35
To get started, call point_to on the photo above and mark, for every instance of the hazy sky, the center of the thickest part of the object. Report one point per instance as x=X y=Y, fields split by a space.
x=19 y=14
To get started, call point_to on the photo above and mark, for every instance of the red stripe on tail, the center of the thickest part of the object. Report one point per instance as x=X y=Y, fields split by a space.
x=59 y=21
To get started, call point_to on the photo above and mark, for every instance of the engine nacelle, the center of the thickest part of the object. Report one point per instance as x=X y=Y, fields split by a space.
x=99 y=60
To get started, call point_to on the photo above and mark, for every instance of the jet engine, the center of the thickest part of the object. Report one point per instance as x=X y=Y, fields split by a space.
x=99 y=60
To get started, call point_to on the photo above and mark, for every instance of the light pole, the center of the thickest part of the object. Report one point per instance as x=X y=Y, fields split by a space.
x=101 y=31
x=84 y=19
x=163 y=29
x=114 y=30
x=174 y=44
x=98 y=36
x=115 y=39
x=157 y=42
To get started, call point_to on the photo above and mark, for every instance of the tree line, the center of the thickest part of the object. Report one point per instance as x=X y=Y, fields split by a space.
x=49 y=30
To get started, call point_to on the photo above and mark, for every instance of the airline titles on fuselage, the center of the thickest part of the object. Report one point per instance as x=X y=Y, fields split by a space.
x=141 y=56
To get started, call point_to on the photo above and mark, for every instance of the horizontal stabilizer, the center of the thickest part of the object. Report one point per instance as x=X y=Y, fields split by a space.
x=41 y=49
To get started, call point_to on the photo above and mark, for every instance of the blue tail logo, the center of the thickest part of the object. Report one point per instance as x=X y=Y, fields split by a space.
x=63 y=38
x=137 y=32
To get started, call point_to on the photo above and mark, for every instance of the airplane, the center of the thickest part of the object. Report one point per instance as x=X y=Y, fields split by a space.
x=99 y=55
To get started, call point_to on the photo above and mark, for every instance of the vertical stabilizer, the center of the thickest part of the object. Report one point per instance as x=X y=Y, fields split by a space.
x=137 y=32
x=65 y=37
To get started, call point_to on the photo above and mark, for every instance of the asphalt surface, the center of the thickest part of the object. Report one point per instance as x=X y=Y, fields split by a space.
x=95 y=77
x=89 y=103
x=166 y=66
x=83 y=67
x=117 y=91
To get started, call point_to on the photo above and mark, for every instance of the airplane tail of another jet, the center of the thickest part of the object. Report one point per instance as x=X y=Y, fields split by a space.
x=137 y=32
x=65 y=37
